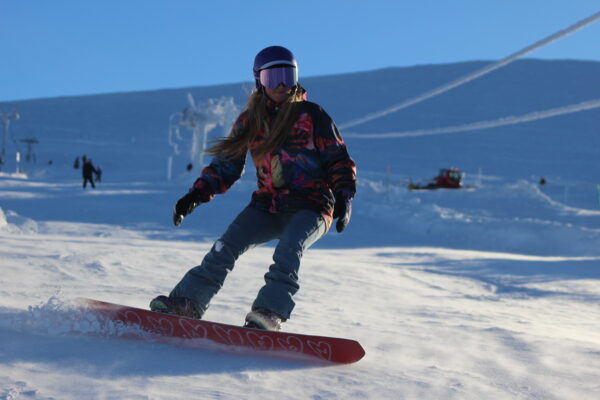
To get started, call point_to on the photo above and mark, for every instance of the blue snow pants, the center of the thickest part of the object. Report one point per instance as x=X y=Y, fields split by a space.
x=296 y=232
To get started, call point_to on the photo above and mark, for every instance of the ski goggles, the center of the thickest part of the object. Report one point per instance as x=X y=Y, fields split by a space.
x=273 y=77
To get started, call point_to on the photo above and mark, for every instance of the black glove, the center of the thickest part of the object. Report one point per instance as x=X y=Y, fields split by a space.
x=185 y=206
x=198 y=194
x=343 y=209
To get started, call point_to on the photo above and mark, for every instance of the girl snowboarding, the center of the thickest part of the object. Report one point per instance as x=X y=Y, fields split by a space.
x=306 y=179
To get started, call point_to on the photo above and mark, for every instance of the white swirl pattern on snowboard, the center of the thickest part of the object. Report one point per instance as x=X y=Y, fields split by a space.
x=233 y=336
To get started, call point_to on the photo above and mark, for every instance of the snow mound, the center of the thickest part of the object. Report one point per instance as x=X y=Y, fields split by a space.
x=12 y=222
x=516 y=217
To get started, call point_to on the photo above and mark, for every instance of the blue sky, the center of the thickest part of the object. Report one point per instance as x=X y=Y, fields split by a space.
x=72 y=47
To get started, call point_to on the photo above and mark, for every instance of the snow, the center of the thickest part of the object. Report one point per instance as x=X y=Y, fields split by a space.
x=486 y=292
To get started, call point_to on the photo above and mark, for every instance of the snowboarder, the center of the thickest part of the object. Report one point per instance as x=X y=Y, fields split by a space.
x=87 y=171
x=306 y=179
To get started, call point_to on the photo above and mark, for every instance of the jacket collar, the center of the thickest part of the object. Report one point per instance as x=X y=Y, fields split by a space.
x=272 y=107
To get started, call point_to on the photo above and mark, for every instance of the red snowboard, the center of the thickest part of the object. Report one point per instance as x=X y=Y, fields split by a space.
x=134 y=323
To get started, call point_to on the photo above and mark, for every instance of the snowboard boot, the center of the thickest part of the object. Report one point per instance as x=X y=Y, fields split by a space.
x=261 y=318
x=175 y=305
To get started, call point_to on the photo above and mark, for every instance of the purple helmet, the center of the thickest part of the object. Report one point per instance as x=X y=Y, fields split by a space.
x=272 y=56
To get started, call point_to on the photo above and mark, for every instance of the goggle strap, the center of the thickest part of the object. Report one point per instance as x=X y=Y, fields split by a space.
x=276 y=62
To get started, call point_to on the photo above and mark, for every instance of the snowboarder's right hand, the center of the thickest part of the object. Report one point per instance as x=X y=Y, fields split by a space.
x=185 y=206
x=198 y=194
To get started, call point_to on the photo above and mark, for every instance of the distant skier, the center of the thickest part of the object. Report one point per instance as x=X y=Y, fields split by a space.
x=98 y=174
x=76 y=163
x=305 y=179
x=87 y=171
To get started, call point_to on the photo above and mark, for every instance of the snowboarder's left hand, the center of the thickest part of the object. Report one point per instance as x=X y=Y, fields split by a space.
x=342 y=210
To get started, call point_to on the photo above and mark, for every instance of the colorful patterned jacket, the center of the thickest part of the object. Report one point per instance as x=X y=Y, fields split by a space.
x=305 y=173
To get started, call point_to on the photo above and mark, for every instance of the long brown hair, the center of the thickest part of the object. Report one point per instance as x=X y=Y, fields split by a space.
x=237 y=145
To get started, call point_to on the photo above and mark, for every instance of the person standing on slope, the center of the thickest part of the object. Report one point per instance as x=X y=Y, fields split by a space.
x=306 y=179
x=87 y=171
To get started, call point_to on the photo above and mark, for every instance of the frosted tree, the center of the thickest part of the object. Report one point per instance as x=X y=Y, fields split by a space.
x=200 y=119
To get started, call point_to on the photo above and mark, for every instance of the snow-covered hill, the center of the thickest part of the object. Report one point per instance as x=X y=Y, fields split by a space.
x=487 y=292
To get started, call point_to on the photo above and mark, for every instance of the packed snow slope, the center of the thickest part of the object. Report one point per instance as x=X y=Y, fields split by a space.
x=485 y=292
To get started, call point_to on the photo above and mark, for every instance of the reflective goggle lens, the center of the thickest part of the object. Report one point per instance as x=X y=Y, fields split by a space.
x=273 y=77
